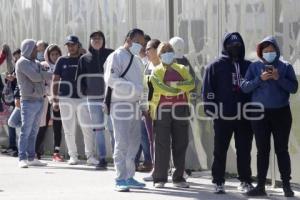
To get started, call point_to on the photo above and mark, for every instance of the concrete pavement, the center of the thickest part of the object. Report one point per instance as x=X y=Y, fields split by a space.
x=59 y=181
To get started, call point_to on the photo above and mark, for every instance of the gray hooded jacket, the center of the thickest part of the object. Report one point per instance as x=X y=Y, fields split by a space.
x=30 y=74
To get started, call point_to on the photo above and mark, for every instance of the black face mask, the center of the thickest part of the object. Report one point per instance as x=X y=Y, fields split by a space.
x=234 y=51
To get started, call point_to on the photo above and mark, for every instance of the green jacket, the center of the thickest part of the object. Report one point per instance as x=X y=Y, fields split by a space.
x=160 y=88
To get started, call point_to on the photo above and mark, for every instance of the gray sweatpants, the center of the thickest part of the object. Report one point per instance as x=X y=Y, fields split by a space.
x=126 y=123
x=74 y=111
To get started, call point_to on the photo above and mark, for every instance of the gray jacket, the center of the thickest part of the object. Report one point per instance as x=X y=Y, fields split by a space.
x=31 y=79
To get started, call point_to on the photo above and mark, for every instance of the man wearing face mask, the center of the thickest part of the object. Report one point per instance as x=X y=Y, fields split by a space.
x=222 y=96
x=124 y=74
x=41 y=47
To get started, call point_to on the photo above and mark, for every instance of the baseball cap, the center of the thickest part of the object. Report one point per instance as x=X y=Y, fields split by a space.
x=72 y=39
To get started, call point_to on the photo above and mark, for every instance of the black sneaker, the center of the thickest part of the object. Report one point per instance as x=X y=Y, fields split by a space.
x=219 y=188
x=14 y=153
x=288 y=192
x=38 y=156
x=7 y=151
x=102 y=165
x=257 y=191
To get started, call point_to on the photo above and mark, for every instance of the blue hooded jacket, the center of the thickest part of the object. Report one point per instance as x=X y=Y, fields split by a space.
x=271 y=93
x=220 y=78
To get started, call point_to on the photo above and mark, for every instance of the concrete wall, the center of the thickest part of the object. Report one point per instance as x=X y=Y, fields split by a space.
x=201 y=23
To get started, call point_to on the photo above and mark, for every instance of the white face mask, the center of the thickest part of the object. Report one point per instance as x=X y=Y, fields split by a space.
x=135 y=48
x=167 y=58
x=145 y=60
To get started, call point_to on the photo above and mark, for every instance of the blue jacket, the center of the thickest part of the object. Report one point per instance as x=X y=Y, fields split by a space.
x=220 y=84
x=271 y=93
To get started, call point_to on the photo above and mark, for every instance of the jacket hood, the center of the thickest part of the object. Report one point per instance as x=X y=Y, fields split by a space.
x=268 y=39
x=27 y=47
x=232 y=36
x=47 y=52
x=47 y=59
x=91 y=49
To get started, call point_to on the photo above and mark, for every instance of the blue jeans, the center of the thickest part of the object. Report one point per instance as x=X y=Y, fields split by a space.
x=15 y=118
x=31 y=113
x=97 y=124
x=144 y=147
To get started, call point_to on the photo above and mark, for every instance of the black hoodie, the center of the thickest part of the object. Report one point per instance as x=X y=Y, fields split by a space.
x=222 y=82
x=92 y=63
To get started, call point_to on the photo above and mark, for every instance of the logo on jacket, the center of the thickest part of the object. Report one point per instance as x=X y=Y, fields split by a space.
x=234 y=37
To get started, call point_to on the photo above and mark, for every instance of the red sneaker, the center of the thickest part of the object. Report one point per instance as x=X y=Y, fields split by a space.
x=57 y=158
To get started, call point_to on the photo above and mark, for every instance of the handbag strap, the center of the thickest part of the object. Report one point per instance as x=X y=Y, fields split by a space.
x=126 y=70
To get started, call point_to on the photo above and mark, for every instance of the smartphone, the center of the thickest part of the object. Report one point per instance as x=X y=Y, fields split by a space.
x=269 y=68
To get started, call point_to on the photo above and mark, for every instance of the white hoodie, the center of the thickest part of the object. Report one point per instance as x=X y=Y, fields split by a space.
x=130 y=87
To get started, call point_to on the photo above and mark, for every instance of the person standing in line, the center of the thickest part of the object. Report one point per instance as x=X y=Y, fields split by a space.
x=147 y=165
x=41 y=48
x=124 y=75
x=90 y=74
x=12 y=135
x=52 y=53
x=31 y=78
x=73 y=109
x=169 y=109
x=270 y=81
x=224 y=101
x=154 y=60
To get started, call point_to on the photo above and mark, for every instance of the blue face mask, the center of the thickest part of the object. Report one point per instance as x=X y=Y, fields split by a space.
x=167 y=58
x=135 y=48
x=270 y=56
x=40 y=56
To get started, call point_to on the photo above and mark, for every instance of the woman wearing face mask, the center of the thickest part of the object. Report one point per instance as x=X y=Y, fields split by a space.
x=170 y=111
x=154 y=60
x=271 y=81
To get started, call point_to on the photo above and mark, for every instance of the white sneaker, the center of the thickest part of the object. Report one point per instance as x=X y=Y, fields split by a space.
x=73 y=161
x=23 y=164
x=148 y=178
x=159 y=185
x=92 y=161
x=36 y=162
x=219 y=188
x=245 y=187
x=185 y=175
x=181 y=184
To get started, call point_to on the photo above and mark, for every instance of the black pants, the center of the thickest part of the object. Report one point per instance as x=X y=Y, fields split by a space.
x=57 y=128
x=243 y=136
x=278 y=123
x=39 y=144
x=170 y=133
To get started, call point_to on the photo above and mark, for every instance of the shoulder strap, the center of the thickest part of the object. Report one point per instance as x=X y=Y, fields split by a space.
x=126 y=70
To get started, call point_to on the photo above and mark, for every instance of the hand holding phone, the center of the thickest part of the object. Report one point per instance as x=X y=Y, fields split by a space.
x=269 y=68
